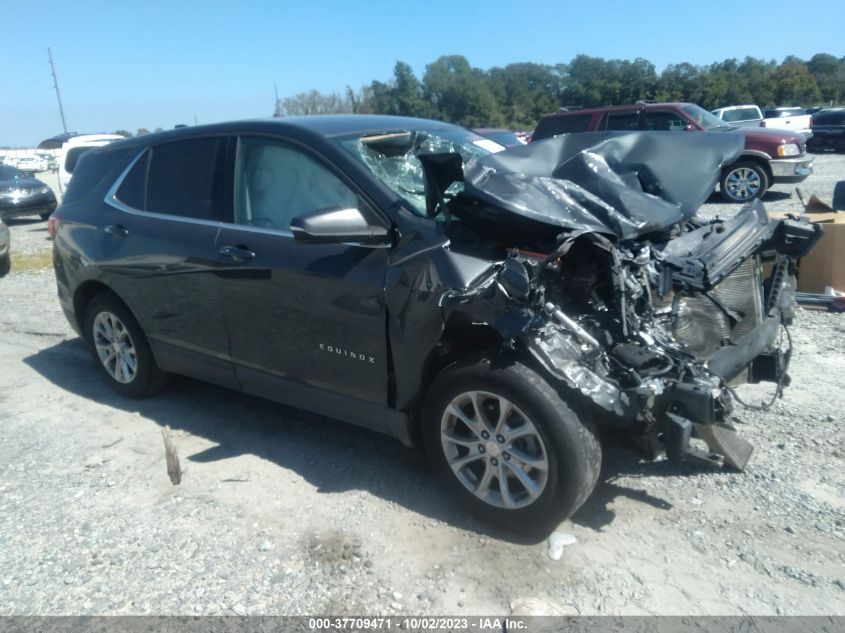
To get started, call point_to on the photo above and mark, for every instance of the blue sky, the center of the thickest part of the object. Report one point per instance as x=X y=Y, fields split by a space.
x=153 y=63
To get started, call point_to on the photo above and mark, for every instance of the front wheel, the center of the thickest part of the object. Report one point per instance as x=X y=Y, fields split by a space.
x=5 y=264
x=120 y=349
x=502 y=439
x=743 y=181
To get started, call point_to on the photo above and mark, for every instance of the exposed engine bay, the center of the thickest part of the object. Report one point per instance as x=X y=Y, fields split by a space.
x=601 y=272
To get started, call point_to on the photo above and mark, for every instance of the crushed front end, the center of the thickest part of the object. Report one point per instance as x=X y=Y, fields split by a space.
x=651 y=319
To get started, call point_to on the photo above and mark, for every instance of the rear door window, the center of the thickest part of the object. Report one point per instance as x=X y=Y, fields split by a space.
x=623 y=121
x=566 y=124
x=666 y=121
x=186 y=179
x=183 y=178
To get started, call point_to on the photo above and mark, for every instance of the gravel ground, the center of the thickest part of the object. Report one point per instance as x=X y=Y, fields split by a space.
x=283 y=512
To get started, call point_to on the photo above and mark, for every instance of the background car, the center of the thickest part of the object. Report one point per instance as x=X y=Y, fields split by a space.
x=787 y=118
x=23 y=194
x=828 y=130
x=740 y=116
x=503 y=136
x=72 y=149
x=5 y=249
x=31 y=164
x=770 y=156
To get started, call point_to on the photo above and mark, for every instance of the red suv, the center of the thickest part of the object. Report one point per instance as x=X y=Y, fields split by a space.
x=770 y=156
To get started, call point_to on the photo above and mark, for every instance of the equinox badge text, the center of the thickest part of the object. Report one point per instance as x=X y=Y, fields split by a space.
x=332 y=349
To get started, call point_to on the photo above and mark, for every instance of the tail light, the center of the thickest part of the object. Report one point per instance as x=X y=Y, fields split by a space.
x=53 y=223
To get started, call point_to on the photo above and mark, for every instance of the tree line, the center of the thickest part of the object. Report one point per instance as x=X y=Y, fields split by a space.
x=517 y=95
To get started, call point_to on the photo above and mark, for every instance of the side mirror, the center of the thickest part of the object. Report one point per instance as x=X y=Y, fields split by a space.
x=336 y=225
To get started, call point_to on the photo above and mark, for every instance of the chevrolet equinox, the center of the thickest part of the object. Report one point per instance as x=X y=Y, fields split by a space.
x=497 y=308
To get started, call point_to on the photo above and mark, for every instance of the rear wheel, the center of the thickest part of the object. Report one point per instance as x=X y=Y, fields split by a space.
x=503 y=441
x=743 y=181
x=120 y=349
x=5 y=264
x=44 y=216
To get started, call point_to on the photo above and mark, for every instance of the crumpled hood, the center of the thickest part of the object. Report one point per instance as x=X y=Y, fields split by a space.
x=624 y=184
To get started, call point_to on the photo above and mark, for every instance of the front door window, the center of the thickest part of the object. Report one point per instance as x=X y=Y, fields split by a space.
x=275 y=183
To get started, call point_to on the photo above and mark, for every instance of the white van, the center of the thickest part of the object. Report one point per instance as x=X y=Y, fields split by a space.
x=75 y=147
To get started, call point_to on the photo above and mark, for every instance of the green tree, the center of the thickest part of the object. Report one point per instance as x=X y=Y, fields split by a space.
x=524 y=93
x=460 y=94
x=587 y=81
x=678 y=82
x=829 y=74
x=792 y=84
x=755 y=75
x=408 y=92
x=314 y=102
x=142 y=131
x=379 y=98
x=517 y=95
x=637 y=80
x=124 y=133
x=593 y=81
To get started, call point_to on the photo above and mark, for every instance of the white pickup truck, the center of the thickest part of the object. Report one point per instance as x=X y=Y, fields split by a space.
x=792 y=119
x=740 y=116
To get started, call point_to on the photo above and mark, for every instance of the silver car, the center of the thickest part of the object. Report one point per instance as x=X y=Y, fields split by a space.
x=5 y=248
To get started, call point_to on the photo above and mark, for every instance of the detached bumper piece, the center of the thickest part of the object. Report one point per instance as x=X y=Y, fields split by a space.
x=725 y=446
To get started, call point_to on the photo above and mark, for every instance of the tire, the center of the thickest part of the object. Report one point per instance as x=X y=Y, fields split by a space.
x=743 y=181
x=44 y=216
x=5 y=265
x=545 y=430
x=130 y=369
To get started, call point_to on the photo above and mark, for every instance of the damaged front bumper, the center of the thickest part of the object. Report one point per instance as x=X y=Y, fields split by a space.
x=626 y=300
x=656 y=375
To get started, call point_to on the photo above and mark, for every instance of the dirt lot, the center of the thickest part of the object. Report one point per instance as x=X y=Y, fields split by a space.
x=283 y=512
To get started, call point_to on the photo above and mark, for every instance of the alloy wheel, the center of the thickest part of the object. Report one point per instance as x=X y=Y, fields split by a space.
x=494 y=449
x=115 y=348
x=743 y=183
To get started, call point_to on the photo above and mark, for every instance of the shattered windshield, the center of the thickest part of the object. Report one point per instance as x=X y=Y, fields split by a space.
x=392 y=157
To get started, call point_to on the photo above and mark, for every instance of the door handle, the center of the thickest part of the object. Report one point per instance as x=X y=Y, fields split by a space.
x=238 y=254
x=117 y=230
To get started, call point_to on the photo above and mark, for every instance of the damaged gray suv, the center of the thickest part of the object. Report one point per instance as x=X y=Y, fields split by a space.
x=496 y=308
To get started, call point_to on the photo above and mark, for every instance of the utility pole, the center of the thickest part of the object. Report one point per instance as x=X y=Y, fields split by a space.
x=56 y=86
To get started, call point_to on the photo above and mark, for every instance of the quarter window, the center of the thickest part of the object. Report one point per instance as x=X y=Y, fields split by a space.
x=275 y=183
x=133 y=189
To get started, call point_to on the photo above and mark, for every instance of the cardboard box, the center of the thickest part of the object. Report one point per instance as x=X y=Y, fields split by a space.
x=825 y=265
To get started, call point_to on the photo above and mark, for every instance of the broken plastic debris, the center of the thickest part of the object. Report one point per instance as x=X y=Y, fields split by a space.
x=557 y=542
x=535 y=606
